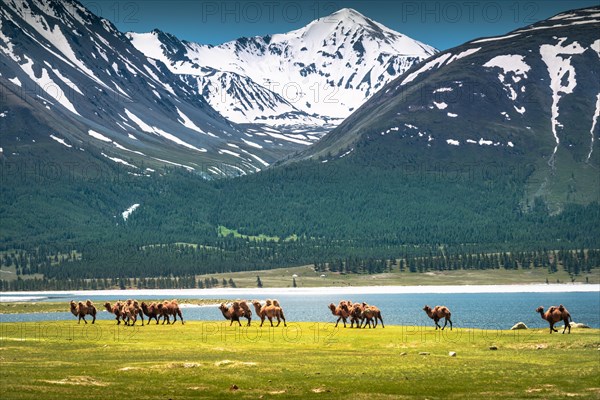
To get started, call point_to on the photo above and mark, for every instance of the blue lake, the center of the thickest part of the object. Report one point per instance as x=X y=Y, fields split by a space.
x=469 y=310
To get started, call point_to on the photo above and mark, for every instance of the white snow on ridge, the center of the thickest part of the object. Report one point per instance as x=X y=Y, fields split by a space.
x=48 y=85
x=463 y=54
x=453 y=142
x=98 y=136
x=441 y=105
x=61 y=141
x=559 y=68
x=143 y=126
x=119 y=161
x=509 y=63
x=175 y=139
x=187 y=122
x=493 y=39
x=16 y=81
x=435 y=63
x=128 y=212
x=452 y=115
x=594 y=121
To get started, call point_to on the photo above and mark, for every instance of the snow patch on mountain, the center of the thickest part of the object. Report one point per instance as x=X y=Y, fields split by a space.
x=562 y=78
x=128 y=212
x=98 y=136
x=61 y=141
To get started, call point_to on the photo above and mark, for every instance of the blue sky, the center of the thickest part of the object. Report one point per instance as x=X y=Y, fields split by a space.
x=442 y=24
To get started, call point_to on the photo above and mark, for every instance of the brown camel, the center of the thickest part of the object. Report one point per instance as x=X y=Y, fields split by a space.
x=115 y=309
x=371 y=315
x=270 y=310
x=438 y=313
x=554 y=315
x=151 y=311
x=168 y=308
x=237 y=310
x=356 y=314
x=129 y=313
x=81 y=309
x=341 y=311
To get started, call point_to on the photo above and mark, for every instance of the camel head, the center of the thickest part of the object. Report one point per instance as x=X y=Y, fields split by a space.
x=332 y=307
x=222 y=307
x=540 y=310
x=73 y=305
x=108 y=307
x=427 y=309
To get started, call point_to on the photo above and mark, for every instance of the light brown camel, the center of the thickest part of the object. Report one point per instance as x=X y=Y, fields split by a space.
x=341 y=311
x=151 y=311
x=554 y=315
x=81 y=309
x=237 y=310
x=168 y=308
x=129 y=313
x=356 y=314
x=115 y=309
x=438 y=313
x=270 y=310
x=372 y=314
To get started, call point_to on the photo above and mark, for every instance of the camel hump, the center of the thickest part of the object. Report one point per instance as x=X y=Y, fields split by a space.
x=561 y=308
x=88 y=302
x=276 y=303
x=80 y=303
x=268 y=302
x=244 y=306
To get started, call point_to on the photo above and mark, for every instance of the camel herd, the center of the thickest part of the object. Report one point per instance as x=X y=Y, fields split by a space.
x=128 y=311
x=268 y=309
x=360 y=315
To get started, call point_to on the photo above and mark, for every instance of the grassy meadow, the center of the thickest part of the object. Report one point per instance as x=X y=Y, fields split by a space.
x=64 y=360
x=307 y=277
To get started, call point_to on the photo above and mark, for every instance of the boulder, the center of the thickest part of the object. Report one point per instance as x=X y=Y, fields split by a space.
x=519 y=325
x=493 y=348
x=452 y=354
x=579 y=325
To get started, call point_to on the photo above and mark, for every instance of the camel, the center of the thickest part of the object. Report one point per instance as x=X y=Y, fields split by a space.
x=80 y=310
x=238 y=309
x=356 y=313
x=270 y=310
x=115 y=309
x=372 y=314
x=554 y=315
x=129 y=313
x=438 y=313
x=151 y=311
x=167 y=308
x=341 y=311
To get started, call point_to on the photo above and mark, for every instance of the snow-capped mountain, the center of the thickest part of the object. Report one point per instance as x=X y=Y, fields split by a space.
x=314 y=76
x=529 y=99
x=80 y=85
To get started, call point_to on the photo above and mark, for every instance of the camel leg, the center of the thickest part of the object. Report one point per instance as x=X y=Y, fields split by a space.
x=338 y=321
x=445 y=323
x=383 y=326
x=278 y=321
x=449 y=320
x=181 y=318
x=285 y=324
x=271 y=321
x=567 y=325
x=239 y=323
x=94 y=320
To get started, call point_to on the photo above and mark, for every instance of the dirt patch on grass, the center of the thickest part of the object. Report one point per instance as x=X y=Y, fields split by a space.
x=277 y=392
x=320 y=390
x=78 y=381
x=230 y=363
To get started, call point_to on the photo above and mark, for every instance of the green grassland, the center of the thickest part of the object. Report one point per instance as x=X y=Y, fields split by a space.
x=307 y=277
x=59 y=360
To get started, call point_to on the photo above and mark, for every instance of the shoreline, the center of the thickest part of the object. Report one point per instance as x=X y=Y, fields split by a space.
x=334 y=290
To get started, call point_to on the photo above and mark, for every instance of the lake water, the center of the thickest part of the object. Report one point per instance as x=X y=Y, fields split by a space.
x=497 y=307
